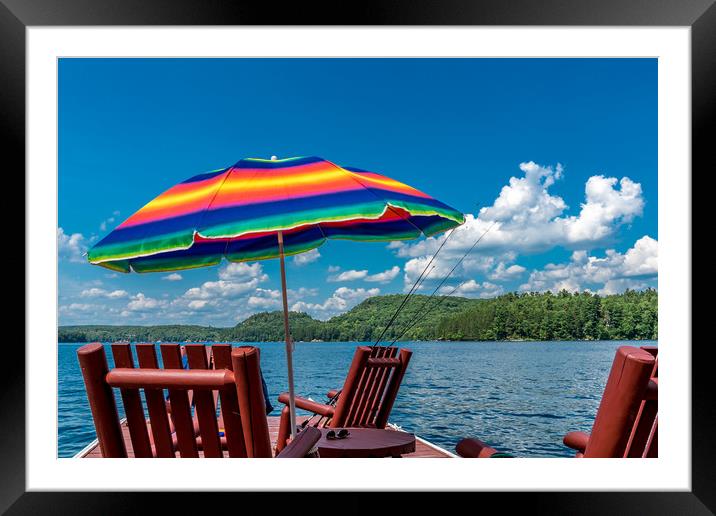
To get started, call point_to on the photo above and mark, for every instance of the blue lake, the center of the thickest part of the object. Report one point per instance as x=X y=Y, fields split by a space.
x=520 y=397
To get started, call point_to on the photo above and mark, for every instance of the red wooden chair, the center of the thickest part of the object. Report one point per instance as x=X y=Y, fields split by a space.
x=367 y=396
x=626 y=421
x=236 y=378
x=626 y=424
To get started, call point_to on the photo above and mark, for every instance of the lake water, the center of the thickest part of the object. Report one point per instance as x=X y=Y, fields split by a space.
x=519 y=397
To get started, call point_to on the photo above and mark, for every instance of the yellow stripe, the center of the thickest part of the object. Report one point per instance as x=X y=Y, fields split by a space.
x=247 y=187
x=267 y=183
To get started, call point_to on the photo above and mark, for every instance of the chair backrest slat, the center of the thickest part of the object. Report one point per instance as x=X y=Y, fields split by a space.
x=365 y=387
x=371 y=387
x=382 y=365
x=360 y=388
x=156 y=405
x=651 y=449
x=179 y=403
x=391 y=389
x=350 y=387
x=204 y=405
x=132 y=400
x=229 y=419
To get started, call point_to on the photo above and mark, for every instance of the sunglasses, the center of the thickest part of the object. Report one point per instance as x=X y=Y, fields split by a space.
x=342 y=434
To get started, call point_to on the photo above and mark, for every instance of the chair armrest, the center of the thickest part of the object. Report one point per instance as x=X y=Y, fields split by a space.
x=333 y=393
x=306 y=404
x=474 y=449
x=302 y=444
x=576 y=440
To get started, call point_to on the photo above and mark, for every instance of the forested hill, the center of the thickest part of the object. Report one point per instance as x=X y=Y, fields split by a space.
x=525 y=316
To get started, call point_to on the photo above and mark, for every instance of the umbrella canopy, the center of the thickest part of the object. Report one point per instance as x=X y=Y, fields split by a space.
x=236 y=212
x=259 y=209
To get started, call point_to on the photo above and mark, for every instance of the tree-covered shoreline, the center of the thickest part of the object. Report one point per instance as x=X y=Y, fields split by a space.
x=632 y=315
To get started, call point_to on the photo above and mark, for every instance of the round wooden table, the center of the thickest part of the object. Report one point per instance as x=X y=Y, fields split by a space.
x=366 y=442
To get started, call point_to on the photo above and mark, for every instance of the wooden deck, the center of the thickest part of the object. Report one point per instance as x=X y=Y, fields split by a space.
x=423 y=449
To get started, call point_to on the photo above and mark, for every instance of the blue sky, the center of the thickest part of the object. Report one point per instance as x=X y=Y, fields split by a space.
x=559 y=156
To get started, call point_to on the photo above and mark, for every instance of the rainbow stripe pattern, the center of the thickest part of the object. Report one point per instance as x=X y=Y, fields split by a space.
x=235 y=213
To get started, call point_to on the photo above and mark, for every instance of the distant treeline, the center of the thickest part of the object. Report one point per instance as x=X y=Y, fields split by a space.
x=514 y=316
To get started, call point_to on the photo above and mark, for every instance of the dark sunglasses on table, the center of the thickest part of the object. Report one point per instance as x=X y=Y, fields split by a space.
x=342 y=434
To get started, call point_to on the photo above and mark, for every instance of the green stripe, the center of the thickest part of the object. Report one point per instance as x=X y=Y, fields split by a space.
x=118 y=254
x=133 y=249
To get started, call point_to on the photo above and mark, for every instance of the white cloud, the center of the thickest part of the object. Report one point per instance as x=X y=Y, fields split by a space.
x=350 y=275
x=99 y=292
x=174 y=276
x=504 y=273
x=531 y=192
x=71 y=247
x=614 y=273
x=76 y=307
x=526 y=218
x=265 y=299
x=235 y=279
x=221 y=288
x=242 y=271
x=341 y=300
x=472 y=288
x=305 y=258
x=271 y=299
x=333 y=268
x=141 y=303
x=606 y=208
x=385 y=276
x=642 y=259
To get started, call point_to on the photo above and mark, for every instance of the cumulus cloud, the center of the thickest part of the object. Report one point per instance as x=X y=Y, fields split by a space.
x=76 y=307
x=305 y=258
x=472 y=288
x=386 y=276
x=242 y=271
x=265 y=299
x=71 y=247
x=611 y=274
x=504 y=273
x=141 y=303
x=350 y=275
x=174 y=276
x=269 y=299
x=221 y=288
x=99 y=292
x=526 y=218
x=235 y=279
x=342 y=299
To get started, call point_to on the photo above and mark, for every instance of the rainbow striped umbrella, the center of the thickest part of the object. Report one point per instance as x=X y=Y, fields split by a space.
x=259 y=209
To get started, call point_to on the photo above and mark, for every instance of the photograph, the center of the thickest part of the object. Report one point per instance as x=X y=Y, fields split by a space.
x=358 y=257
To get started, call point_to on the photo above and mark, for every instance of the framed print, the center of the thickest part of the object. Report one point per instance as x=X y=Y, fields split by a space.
x=395 y=232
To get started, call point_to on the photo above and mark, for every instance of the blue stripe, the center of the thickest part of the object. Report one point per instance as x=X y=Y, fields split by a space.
x=204 y=177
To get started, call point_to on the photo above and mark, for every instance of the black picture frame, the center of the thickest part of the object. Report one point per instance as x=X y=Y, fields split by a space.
x=700 y=15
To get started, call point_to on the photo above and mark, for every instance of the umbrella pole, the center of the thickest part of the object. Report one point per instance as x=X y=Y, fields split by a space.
x=289 y=342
